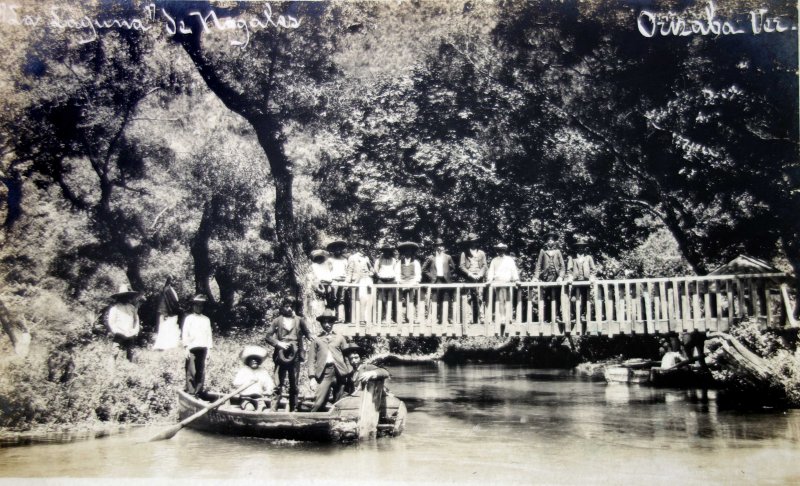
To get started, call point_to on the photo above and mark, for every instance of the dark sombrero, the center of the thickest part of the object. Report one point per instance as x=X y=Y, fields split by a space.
x=353 y=348
x=286 y=356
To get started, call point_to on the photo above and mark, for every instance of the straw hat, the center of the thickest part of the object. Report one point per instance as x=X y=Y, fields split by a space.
x=581 y=241
x=124 y=292
x=470 y=238
x=501 y=246
x=548 y=234
x=252 y=351
x=199 y=299
x=407 y=244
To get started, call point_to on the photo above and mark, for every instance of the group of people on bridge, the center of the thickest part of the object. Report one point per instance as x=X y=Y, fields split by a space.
x=338 y=275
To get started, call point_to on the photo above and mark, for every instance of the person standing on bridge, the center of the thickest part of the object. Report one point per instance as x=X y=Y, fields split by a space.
x=338 y=264
x=473 y=267
x=438 y=269
x=409 y=272
x=581 y=269
x=502 y=270
x=550 y=268
x=359 y=272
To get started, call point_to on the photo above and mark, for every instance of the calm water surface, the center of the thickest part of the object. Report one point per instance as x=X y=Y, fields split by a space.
x=475 y=424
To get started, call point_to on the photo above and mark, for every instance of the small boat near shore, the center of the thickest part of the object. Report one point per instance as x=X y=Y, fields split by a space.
x=368 y=413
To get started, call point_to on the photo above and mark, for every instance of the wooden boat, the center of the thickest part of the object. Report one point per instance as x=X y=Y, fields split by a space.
x=368 y=413
x=631 y=371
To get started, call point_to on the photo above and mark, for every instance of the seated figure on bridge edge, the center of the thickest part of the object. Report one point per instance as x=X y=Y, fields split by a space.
x=473 y=267
x=502 y=270
x=550 y=268
x=338 y=266
x=253 y=396
x=438 y=269
x=581 y=268
x=409 y=272
x=385 y=272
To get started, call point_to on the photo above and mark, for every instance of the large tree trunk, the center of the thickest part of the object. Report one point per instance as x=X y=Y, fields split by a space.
x=199 y=251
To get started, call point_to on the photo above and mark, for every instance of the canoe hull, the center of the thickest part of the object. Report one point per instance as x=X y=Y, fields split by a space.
x=340 y=424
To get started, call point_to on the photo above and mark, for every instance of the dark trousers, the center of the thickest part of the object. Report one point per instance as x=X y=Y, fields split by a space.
x=330 y=381
x=196 y=370
x=442 y=296
x=291 y=373
x=126 y=345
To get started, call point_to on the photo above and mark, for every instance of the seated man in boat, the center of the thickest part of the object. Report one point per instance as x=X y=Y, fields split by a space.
x=362 y=372
x=253 y=396
x=326 y=362
x=286 y=333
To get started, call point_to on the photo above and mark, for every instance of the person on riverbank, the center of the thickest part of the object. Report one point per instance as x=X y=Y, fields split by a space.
x=253 y=396
x=285 y=333
x=581 y=268
x=473 y=267
x=122 y=320
x=385 y=272
x=439 y=269
x=326 y=362
x=168 y=335
x=197 y=342
x=550 y=268
x=338 y=264
x=359 y=272
x=409 y=272
x=504 y=273
x=362 y=372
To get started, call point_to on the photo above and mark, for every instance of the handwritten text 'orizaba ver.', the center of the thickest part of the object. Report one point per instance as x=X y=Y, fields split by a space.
x=86 y=28
x=651 y=24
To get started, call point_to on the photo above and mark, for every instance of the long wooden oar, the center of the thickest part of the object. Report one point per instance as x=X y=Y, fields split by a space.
x=170 y=433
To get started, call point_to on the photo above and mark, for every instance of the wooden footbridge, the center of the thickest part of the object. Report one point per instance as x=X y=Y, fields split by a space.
x=607 y=307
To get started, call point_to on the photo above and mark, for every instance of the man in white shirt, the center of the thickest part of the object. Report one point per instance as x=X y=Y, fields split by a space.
x=196 y=339
x=503 y=270
x=123 y=319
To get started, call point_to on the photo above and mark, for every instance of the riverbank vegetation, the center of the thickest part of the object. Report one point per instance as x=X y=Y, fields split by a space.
x=144 y=154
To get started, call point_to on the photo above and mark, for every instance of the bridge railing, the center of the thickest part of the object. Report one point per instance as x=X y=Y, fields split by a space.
x=604 y=307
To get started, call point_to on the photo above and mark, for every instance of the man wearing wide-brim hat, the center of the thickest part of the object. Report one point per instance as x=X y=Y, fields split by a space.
x=362 y=372
x=550 y=267
x=338 y=266
x=252 y=357
x=409 y=272
x=326 y=363
x=197 y=341
x=581 y=268
x=473 y=266
x=285 y=333
x=502 y=270
x=359 y=272
x=323 y=277
x=122 y=319
x=438 y=269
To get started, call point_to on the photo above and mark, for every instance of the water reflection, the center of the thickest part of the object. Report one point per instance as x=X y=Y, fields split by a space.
x=477 y=423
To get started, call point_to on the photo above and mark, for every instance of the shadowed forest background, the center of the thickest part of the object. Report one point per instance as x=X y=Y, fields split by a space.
x=144 y=154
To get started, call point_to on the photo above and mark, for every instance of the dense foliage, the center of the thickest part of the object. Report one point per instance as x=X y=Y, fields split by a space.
x=152 y=153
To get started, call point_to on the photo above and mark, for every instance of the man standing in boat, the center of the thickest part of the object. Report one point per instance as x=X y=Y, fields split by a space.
x=285 y=334
x=326 y=362
x=196 y=339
